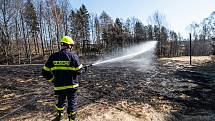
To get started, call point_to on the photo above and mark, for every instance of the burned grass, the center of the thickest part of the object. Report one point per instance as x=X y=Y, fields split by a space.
x=169 y=92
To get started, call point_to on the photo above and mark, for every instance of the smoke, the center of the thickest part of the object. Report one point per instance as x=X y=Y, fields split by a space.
x=139 y=56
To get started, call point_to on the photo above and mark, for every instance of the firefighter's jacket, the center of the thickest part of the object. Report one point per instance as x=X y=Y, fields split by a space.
x=62 y=69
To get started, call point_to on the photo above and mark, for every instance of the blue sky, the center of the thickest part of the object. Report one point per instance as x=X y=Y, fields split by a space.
x=178 y=13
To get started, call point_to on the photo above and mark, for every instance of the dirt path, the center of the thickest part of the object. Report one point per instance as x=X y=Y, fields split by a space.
x=172 y=91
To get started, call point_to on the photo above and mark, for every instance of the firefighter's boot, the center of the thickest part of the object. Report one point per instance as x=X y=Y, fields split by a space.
x=72 y=117
x=59 y=116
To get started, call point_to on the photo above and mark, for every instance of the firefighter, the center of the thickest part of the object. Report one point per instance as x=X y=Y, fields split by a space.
x=62 y=69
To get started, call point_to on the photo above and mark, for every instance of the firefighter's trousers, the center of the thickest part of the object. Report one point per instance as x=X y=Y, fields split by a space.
x=71 y=96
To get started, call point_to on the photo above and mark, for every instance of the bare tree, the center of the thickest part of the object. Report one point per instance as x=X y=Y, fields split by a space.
x=41 y=26
x=57 y=13
x=159 y=21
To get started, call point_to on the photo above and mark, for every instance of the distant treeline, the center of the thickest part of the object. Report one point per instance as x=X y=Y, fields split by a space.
x=33 y=28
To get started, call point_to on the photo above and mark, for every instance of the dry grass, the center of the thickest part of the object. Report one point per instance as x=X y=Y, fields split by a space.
x=187 y=58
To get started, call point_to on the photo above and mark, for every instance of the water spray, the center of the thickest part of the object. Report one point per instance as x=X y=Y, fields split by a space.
x=131 y=52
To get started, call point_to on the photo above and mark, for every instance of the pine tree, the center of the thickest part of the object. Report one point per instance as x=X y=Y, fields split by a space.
x=31 y=22
x=73 y=25
x=97 y=29
x=106 y=30
x=163 y=41
x=173 y=43
x=119 y=33
x=138 y=32
x=127 y=32
x=31 y=18
x=84 y=20
x=150 y=32
x=85 y=29
x=105 y=20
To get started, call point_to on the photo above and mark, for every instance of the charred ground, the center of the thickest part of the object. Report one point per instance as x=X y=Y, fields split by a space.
x=171 y=91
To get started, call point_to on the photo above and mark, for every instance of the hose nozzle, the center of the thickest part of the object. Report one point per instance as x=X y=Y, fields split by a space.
x=89 y=65
x=86 y=66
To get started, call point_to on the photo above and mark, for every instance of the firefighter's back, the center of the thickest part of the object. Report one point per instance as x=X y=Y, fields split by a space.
x=65 y=65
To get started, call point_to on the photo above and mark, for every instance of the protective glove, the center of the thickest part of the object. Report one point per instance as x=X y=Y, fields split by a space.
x=85 y=67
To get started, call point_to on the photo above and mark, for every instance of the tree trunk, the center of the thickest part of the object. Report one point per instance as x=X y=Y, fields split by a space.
x=41 y=38
x=41 y=30
x=57 y=36
x=35 y=44
x=24 y=37
x=50 y=37
x=29 y=50
x=38 y=47
x=17 y=41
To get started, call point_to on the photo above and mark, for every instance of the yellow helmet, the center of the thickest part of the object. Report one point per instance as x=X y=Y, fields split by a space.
x=68 y=40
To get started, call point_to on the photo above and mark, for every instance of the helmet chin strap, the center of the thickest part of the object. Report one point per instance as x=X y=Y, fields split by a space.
x=67 y=47
x=63 y=47
x=70 y=47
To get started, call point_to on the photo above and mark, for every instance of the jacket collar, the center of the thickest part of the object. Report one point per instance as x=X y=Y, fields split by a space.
x=66 y=49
